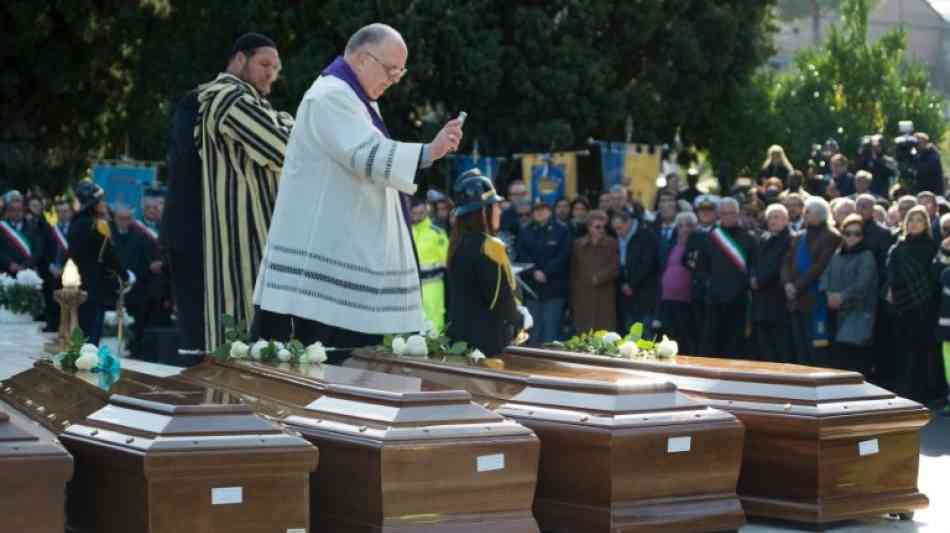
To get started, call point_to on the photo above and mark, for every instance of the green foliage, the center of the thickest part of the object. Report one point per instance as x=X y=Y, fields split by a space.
x=234 y=330
x=847 y=88
x=590 y=342
x=73 y=345
x=22 y=299
x=90 y=77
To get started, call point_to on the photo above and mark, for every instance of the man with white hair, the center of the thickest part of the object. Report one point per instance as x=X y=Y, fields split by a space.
x=340 y=265
x=726 y=262
x=841 y=208
x=21 y=244
x=769 y=313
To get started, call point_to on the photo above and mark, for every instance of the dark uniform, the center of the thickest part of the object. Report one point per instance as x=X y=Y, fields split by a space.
x=482 y=309
x=91 y=249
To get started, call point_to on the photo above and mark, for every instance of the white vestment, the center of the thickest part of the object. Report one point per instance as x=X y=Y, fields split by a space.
x=339 y=250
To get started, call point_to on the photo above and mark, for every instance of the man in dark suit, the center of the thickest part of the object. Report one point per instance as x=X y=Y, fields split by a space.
x=21 y=244
x=547 y=245
x=727 y=252
x=639 y=270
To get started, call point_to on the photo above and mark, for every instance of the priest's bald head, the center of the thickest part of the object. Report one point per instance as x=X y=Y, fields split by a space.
x=254 y=59
x=377 y=54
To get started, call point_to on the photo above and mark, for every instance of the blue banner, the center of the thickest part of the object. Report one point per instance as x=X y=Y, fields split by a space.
x=124 y=184
x=613 y=158
x=464 y=163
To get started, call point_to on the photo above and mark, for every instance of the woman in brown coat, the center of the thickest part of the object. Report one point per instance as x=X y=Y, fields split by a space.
x=595 y=265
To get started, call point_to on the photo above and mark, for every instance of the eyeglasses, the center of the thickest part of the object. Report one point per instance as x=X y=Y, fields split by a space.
x=395 y=73
x=853 y=234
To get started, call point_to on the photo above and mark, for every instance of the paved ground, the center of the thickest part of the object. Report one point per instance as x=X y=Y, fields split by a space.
x=20 y=346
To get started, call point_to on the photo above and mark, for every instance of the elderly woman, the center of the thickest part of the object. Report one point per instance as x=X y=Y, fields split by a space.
x=912 y=289
x=850 y=285
x=595 y=266
x=676 y=313
x=769 y=314
x=809 y=253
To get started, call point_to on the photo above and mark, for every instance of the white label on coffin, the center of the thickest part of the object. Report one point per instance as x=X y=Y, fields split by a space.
x=868 y=447
x=297 y=530
x=678 y=444
x=227 y=495
x=487 y=463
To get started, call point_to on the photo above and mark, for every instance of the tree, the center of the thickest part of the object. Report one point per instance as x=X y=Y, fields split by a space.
x=845 y=89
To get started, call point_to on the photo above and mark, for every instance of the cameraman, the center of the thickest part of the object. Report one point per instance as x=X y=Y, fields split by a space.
x=929 y=168
x=882 y=167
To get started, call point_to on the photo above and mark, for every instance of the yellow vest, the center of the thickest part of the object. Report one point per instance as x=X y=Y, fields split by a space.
x=432 y=244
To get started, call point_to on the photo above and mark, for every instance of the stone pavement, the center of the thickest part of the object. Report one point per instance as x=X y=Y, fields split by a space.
x=21 y=346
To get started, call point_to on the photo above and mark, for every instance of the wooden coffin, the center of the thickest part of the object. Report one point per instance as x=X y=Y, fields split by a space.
x=177 y=467
x=619 y=453
x=33 y=476
x=821 y=445
x=397 y=453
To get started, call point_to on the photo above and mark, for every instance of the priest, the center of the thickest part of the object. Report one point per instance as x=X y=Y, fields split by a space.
x=340 y=265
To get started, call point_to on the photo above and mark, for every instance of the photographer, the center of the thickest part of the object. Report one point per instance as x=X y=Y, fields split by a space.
x=929 y=169
x=883 y=168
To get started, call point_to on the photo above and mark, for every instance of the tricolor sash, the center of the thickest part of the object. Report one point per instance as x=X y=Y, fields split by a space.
x=147 y=231
x=730 y=247
x=820 y=336
x=60 y=238
x=17 y=239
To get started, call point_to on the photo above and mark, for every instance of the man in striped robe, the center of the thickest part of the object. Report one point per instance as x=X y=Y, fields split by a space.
x=241 y=141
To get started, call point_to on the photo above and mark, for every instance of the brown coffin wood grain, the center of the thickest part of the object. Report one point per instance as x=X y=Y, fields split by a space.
x=804 y=426
x=605 y=465
x=154 y=467
x=33 y=476
x=398 y=454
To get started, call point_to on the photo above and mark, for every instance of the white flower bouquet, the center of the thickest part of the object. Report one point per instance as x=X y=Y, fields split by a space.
x=21 y=297
x=611 y=344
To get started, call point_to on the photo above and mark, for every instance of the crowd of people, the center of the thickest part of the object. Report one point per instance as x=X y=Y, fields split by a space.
x=819 y=270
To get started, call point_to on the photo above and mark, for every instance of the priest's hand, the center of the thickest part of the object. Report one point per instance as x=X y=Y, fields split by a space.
x=447 y=140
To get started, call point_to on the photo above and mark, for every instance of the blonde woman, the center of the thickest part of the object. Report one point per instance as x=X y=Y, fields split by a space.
x=775 y=165
x=912 y=289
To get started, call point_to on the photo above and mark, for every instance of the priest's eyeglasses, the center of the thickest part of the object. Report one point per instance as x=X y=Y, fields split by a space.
x=395 y=73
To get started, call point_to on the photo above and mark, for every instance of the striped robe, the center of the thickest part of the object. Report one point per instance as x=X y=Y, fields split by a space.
x=241 y=140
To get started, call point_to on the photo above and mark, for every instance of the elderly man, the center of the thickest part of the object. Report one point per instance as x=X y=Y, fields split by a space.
x=241 y=141
x=340 y=265
x=726 y=260
x=21 y=245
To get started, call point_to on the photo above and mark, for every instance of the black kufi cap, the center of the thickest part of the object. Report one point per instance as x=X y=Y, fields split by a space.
x=252 y=41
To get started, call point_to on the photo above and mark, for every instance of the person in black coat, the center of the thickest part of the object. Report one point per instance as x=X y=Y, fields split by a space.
x=912 y=289
x=728 y=251
x=843 y=180
x=91 y=249
x=929 y=168
x=639 y=271
x=21 y=243
x=132 y=249
x=882 y=167
x=879 y=240
x=181 y=227
x=942 y=273
x=546 y=244
x=482 y=307
x=769 y=312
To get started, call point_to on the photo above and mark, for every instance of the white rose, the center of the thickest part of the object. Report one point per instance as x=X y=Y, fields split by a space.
x=612 y=338
x=239 y=350
x=416 y=346
x=476 y=356
x=667 y=347
x=283 y=355
x=88 y=349
x=30 y=278
x=6 y=280
x=315 y=353
x=399 y=346
x=256 y=349
x=87 y=361
x=629 y=350
x=279 y=345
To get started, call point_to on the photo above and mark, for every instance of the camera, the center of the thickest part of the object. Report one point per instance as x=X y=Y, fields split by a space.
x=906 y=152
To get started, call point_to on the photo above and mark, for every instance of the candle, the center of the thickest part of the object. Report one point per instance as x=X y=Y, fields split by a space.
x=71 y=279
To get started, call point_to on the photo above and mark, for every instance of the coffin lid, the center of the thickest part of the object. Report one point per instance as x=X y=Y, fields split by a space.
x=750 y=385
x=530 y=388
x=179 y=425
x=365 y=404
x=16 y=441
